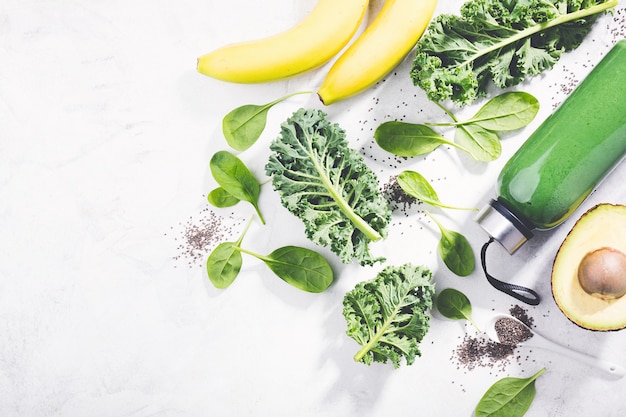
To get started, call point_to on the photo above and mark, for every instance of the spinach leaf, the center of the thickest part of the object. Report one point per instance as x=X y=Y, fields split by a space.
x=300 y=267
x=455 y=250
x=477 y=136
x=455 y=305
x=243 y=126
x=408 y=139
x=415 y=185
x=236 y=179
x=482 y=144
x=221 y=198
x=508 y=111
x=223 y=264
x=508 y=397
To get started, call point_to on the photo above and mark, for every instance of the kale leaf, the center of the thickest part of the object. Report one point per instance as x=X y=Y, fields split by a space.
x=500 y=42
x=390 y=315
x=327 y=185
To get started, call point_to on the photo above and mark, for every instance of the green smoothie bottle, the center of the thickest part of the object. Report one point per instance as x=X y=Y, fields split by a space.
x=568 y=155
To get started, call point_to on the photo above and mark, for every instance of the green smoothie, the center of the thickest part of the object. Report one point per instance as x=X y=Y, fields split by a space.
x=572 y=150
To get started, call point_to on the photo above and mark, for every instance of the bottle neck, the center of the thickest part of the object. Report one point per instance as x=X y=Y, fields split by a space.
x=504 y=226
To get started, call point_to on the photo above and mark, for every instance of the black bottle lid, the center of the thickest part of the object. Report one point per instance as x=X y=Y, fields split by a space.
x=504 y=226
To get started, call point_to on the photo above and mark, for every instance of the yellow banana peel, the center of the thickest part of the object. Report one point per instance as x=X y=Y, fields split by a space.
x=314 y=41
x=378 y=50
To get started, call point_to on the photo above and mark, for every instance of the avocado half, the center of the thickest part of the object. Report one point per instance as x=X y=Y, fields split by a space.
x=589 y=270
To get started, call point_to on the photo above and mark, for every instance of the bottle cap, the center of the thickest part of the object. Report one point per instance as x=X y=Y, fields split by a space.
x=503 y=225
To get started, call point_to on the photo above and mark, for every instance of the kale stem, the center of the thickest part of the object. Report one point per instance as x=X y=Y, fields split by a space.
x=375 y=338
x=365 y=349
x=579 y=14
x=360 y=223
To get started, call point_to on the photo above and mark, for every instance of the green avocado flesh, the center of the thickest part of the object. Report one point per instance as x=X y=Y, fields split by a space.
x=589 y=274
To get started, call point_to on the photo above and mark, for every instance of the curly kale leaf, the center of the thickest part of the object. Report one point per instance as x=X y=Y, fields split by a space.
x=390 y=315
x=327 y=185
x=500 y=42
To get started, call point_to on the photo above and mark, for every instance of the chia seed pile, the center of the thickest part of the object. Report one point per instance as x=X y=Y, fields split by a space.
x=199 y=236
x=511 y=332
x=481 y=352
x=397 y=198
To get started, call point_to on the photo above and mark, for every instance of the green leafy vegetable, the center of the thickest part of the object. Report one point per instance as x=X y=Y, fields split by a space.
x=300 y=267
x=414 y=184
x=390 y=314
x=455 y=250
x=243 y=126
x=505 y=112
x=408 y=139
x=455 y=305
x=220 y=198
x=478 y=136
x=236 y=179
x=482 y=144
x=498 y=41
x=327 y=185
x=224 y=264
x=508 y=397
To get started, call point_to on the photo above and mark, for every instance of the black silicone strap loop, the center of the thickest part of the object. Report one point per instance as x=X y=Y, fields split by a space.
x=524 y=294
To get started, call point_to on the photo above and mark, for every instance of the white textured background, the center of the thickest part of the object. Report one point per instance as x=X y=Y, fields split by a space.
x=106 y=131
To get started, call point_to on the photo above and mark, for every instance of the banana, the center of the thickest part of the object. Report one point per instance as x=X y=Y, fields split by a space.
x=320 y=36
x=378 y=50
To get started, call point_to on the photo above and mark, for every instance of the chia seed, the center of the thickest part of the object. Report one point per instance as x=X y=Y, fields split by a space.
x=199 y=236
x=522 y=315
x=397 y=198
x=481 y=352
x=511 y=332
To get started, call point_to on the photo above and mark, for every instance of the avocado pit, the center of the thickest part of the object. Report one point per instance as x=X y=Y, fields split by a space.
x=602 y=273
